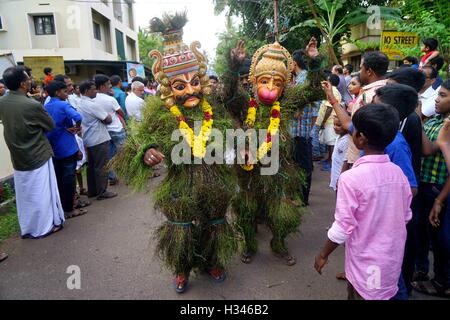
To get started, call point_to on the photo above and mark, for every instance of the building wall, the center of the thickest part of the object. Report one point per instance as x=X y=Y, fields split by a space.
x=6 y=168
x=74 y=38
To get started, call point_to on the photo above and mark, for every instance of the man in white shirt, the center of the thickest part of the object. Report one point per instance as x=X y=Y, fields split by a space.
x=116 y=127
x=96 y=138
x=75 y=98
x=134 y=101
x=428 y=95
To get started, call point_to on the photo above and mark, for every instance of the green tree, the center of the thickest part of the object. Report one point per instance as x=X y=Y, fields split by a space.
x=334 y=17
x=148 y=41
x=429 y=19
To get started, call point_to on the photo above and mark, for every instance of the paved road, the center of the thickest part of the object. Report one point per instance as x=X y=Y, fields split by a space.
x=114 y=249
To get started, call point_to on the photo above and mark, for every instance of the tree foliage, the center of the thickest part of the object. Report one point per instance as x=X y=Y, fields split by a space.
x=257 y=20
x=429 y=19
x=147 y=42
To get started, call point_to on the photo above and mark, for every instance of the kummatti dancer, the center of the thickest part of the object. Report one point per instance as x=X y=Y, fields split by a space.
x=194 y=197
x=274 y=198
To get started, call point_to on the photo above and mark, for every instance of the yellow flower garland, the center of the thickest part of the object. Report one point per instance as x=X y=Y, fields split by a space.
x=197 y=143
x=272 y=130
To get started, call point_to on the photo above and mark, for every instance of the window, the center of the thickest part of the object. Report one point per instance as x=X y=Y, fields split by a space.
x=44 y=25
x=97 y=31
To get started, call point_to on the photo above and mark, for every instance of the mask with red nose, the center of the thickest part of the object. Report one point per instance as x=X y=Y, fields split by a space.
x=270 y=72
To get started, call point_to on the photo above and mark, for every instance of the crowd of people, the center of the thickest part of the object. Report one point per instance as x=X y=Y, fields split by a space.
x=384 y=136
x=56 y=129
x=387 y=118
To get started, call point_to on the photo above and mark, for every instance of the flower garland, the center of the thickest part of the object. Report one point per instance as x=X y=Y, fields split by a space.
x=196 y=142
x=274 y=125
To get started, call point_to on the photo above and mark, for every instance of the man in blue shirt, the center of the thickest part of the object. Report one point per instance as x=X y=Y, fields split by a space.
x=65 y=148
x=120 y=96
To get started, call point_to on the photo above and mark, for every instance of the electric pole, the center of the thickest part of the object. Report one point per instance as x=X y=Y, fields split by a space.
x=275 y=9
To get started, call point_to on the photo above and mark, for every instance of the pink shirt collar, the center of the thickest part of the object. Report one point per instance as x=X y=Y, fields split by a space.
x=381 y=158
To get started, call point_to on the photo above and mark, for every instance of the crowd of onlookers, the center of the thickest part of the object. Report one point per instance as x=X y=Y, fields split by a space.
x=57 y=128
x=369 y=122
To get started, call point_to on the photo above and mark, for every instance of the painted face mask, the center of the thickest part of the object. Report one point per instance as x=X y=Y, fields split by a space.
x=270 y=72
x=181 y=70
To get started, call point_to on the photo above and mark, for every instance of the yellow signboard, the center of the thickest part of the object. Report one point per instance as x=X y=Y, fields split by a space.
x=392 y=41
x=38 y=63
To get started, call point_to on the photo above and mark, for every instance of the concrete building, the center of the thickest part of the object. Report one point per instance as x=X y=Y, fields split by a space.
x=371 y=38
x=91 y=36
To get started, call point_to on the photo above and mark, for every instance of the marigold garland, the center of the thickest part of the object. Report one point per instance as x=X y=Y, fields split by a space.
x=274 y=125
x=196 y=142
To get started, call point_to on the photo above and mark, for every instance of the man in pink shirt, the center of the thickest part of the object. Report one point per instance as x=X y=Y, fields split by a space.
x=372 y=209
x=373 y=68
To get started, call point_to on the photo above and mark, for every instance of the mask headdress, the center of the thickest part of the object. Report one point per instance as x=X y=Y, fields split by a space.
x=177 y=57
x=271 y=59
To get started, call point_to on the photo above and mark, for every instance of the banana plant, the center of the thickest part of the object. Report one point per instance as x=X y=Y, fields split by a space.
x=325 y=14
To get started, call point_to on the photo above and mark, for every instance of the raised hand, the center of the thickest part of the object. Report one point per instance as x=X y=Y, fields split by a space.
x=239 y=53
x=311 y=49
x=328 y=89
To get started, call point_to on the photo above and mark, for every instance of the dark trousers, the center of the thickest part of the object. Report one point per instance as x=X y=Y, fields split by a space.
x=411 y=245
x=438 y=237
x=97 y=175
x=303 y=157
x=65 y=176
x=440 y=243
x=426 y=196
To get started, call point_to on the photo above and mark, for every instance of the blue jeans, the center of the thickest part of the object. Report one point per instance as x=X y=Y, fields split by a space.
x=402 y=293
x=317 y=148
x=117 y=141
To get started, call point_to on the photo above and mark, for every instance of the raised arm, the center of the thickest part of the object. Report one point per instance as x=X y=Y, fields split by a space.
x=342 y=115
x=297 y=97
x=232 y=95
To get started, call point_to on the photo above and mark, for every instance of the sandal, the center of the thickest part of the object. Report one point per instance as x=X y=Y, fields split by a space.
x=217 y=274
x=54 y=230
x=181 y=282
x=3 y=256
x=81 y=204
x=247 y=257
x=75 y=213
x=290 y=260
x=431 y=287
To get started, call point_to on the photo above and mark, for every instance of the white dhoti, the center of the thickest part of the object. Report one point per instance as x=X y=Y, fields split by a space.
x=38 y=204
